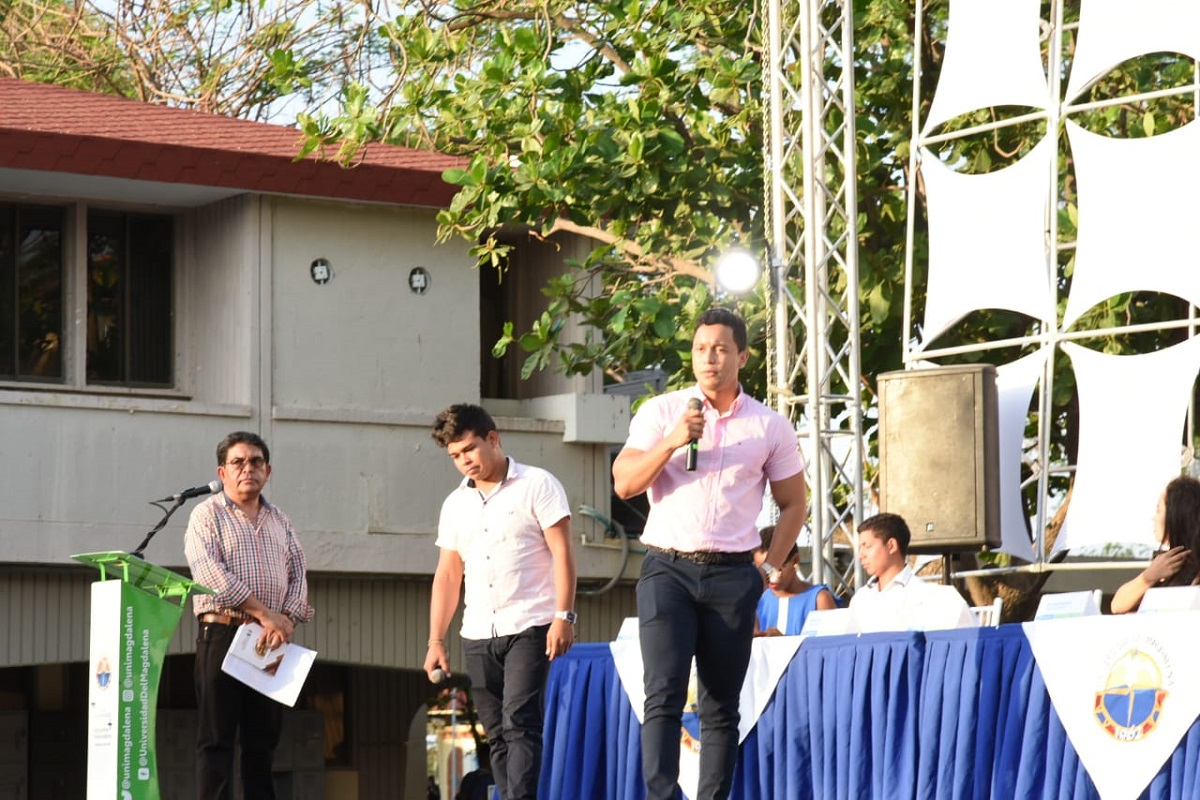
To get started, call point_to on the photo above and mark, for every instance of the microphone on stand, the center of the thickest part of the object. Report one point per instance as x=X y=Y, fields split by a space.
x=195 y=491
x=179 y=498
x=693 y=447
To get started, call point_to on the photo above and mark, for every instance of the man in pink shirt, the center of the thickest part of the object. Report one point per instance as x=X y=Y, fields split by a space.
x=699 y=587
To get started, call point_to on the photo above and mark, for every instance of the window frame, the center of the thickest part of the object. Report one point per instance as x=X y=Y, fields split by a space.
x=74 y=303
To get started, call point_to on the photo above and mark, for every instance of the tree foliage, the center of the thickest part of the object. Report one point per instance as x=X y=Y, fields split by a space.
x=57 y=42
x=254 y=59
x=636 y=125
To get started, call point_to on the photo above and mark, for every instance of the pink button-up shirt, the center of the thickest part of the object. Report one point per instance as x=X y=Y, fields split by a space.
x=715 y=507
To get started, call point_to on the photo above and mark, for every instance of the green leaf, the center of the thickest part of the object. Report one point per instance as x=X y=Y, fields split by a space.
x=501 y=346
x=637 y=146
x=525 y=40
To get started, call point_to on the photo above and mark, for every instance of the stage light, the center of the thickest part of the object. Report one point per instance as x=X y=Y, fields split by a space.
x=737 y=271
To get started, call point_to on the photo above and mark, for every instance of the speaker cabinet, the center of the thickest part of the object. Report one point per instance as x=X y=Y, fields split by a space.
x=939 y=456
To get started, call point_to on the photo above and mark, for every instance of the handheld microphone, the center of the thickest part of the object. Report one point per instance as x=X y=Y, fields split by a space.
x=195 y=491
x=693 y=447
x=437 y=676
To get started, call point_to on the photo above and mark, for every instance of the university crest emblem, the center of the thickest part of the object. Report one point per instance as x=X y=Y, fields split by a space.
x=1131 y=703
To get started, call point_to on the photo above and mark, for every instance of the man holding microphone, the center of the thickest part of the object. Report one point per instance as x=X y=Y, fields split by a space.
x=505 y=533
x=705 y=455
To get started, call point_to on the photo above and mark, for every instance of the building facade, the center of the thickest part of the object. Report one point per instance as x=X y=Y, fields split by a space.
x=167 y=277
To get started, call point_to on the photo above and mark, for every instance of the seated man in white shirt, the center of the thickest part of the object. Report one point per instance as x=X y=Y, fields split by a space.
x=895 y=599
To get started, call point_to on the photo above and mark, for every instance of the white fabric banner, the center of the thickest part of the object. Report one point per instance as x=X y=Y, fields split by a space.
x=979 y=37
x=1124 y=688
x=987 y=240
x=1137 y=216
x=1015 y=383
x=1112 y=31
x=1131 y=415
x=769 y=659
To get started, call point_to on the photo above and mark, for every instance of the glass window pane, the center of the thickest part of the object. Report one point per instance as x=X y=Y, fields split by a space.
x=106 y=293
x=150 y=343
x=129 y=299
x=39 y=264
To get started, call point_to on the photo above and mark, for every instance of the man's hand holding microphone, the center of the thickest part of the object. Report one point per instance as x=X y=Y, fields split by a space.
x=693 y=422
x=437 y=664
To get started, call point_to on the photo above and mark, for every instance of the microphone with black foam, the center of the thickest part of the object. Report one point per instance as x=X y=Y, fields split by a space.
x=195 y=491
x=178 y=499
x=693 y=447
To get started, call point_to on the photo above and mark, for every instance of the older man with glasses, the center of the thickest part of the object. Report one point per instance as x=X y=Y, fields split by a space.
x=244 y=549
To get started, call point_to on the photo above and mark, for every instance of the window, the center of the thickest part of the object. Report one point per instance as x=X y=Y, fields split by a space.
x=129 y=299
x=31 y=293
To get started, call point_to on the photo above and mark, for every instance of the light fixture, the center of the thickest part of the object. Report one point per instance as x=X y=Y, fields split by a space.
x=737 y=271
x=419 y=280
x=321 y=271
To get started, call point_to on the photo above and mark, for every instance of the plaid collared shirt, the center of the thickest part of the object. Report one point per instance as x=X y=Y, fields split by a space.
x=237 y=558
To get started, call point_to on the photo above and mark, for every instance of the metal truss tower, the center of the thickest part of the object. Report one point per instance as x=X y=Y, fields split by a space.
x=813 y=349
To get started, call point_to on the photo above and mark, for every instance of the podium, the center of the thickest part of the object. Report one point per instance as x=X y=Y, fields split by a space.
x=136 y=606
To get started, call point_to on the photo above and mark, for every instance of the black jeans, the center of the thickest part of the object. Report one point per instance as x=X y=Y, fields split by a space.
x=687 y=610
x=508 y=684
x=225 y=705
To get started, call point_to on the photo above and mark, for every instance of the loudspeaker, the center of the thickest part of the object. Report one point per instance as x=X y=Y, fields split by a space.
x=939 y=455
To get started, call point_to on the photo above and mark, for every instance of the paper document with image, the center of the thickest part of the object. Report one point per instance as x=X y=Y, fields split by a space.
x=245 y=646
x=278 y=673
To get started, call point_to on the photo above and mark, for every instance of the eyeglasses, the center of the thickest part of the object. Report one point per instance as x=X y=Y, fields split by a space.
x=257 y=462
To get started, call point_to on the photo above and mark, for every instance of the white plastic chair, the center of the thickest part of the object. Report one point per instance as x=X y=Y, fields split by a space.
x=988 y=616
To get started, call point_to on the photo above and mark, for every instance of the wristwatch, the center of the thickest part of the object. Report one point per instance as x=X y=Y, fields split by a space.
x=771 y=571
x=570 y=617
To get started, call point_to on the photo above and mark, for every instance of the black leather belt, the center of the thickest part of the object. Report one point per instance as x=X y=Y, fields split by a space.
x=214 y=618
x=710 y=557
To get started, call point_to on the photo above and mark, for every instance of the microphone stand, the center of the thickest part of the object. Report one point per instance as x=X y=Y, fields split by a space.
x=161 y=524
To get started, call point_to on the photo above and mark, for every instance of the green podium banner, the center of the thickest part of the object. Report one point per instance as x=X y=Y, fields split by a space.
x=136 y=607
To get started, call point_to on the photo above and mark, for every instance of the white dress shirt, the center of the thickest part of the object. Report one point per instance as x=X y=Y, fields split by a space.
x=908 y=603
x=508 y=567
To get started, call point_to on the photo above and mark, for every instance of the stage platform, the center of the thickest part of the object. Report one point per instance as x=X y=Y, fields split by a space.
x=947 y=715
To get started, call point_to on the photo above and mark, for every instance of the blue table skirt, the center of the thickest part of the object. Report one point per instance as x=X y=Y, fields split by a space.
x=948 y=715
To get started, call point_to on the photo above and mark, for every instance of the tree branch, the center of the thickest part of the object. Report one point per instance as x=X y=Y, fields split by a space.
x=639 y=260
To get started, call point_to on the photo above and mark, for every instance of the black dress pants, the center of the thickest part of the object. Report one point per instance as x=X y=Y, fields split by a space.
x=227 y=709
x=508 y=684
x=685 y=610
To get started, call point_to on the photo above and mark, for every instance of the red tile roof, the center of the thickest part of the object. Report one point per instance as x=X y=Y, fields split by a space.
x=65 y=130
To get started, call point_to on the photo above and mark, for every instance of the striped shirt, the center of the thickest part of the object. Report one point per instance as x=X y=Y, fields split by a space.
x=237 y=558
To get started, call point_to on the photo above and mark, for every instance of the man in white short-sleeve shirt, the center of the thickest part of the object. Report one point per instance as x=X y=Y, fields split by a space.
x=895 y=599
x=506 y=530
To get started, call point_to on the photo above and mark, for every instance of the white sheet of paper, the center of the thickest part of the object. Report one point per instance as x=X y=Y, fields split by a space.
x=284 y=686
